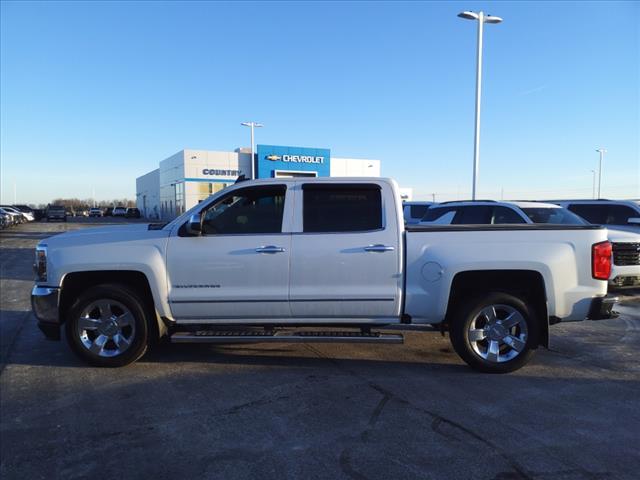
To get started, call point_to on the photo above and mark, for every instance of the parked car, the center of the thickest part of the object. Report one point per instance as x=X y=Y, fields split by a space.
x=20 y=216
x=119 y=212
x=56 y=212
x=132 y=212
x=414 y=211
x=618 y=214
x=625 y=270
x=5 y=220
x=27 y=211
x=260 y=258
x=12 y=217
x=95 y=212
x=108 y=212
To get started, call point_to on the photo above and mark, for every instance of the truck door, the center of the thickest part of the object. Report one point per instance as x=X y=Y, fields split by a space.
x=239 y=267
x=346 y=252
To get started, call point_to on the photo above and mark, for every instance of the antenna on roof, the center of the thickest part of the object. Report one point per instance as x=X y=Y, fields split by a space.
x=241 y=178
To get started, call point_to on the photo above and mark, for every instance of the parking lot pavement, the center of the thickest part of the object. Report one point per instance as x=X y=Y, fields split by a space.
x=312 y=411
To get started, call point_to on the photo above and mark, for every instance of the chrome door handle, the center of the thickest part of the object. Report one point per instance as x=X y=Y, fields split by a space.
x=269 y=249
x=379 y=248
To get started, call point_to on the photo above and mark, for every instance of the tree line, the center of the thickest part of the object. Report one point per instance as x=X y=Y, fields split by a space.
x=86 y=204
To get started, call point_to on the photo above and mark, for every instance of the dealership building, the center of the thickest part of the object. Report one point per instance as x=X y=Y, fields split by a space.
x=190 y=176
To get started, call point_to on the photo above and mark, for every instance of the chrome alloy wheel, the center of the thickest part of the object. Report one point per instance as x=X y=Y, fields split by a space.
x=498 y=333
x=106 y=328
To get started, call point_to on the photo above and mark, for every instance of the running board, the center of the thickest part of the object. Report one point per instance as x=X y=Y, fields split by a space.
x=239 y=336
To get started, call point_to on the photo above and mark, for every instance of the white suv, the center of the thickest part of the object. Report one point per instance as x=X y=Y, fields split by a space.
x=625 y=270
x=482 y=212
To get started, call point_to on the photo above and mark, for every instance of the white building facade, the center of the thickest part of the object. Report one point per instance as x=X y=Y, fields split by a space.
x=190 y=176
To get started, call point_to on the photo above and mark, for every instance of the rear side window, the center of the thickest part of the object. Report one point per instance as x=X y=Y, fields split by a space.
x=503 y=215
x=341 y=208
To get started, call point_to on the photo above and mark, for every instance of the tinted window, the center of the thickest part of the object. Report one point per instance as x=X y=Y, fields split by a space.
x=473 y=215
x=434 y=213
x=556 y=216
x=506 y=215
x=620 y=214
x=250 y=210
x=341 y=208
x=418 y=211
x=591 y=213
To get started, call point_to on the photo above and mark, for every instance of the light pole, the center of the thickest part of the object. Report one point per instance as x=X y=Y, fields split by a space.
x=593 y=189
x=253 y=145
x=482 y=19
x=602 y=151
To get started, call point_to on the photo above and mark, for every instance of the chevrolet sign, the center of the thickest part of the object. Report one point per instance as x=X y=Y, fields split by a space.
x=274 y=158
x=302 y=159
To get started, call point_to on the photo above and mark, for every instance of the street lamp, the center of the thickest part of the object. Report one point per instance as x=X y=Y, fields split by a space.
x=602 y=151
x=482 y=19
x=593 y=190
x=253 y=146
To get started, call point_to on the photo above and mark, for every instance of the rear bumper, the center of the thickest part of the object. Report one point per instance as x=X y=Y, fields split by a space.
x=602 y=308
x=44 y=302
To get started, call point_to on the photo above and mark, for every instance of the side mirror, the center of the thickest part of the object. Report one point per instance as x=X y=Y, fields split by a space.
x=194 y=225
x=633 y=221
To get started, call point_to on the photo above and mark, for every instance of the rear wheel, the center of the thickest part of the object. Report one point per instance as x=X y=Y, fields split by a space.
x=495 y=333
x=107 y=326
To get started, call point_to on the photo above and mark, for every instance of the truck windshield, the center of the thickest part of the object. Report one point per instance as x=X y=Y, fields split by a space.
x=556 y=216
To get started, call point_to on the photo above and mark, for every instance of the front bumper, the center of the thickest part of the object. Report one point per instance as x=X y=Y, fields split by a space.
x=45 y=302
x=602 y=308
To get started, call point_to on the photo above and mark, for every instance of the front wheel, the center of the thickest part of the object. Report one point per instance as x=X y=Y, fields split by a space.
x=495 y=333
x=107 y=326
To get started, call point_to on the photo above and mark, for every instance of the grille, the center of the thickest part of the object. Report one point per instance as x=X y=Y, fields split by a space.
x=626 y=254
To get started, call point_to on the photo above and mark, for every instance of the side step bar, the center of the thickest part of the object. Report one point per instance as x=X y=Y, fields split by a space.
x=257 y=336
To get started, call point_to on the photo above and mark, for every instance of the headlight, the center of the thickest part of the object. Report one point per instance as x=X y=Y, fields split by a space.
x=40 y=267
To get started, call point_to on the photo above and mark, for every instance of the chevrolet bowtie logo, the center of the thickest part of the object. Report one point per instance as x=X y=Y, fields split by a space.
x=274 y=158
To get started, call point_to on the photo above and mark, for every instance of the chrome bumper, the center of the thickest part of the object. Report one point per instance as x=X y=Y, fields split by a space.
x=44 y=302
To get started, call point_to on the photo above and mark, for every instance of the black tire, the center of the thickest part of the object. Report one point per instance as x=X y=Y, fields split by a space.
x=124 y=296
x=461 y=322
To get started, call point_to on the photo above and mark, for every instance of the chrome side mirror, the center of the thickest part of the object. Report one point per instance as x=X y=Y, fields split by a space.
x=633 y=221
x=194 y=225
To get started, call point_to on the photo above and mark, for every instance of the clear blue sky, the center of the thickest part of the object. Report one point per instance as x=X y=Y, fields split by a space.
x=96 y=94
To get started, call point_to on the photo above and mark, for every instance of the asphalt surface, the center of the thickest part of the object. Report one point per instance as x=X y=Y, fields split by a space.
x=411 y=411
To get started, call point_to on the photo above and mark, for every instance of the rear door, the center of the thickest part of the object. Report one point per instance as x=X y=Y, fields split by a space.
x=345 y=252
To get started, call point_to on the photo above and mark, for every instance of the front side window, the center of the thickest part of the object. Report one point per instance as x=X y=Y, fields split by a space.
x=341 y=208
x=596 y=214
x=437 y=215
x=620 y=214
x=248 y=210
x=473 y=215
x=418 y=211
x=555 y=216
x=503 y=215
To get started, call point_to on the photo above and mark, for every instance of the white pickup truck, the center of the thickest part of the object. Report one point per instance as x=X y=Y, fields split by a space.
x=318 y=260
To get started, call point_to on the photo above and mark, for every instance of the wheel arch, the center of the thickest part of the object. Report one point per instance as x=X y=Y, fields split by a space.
x=526 y=284
x=74 y=283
